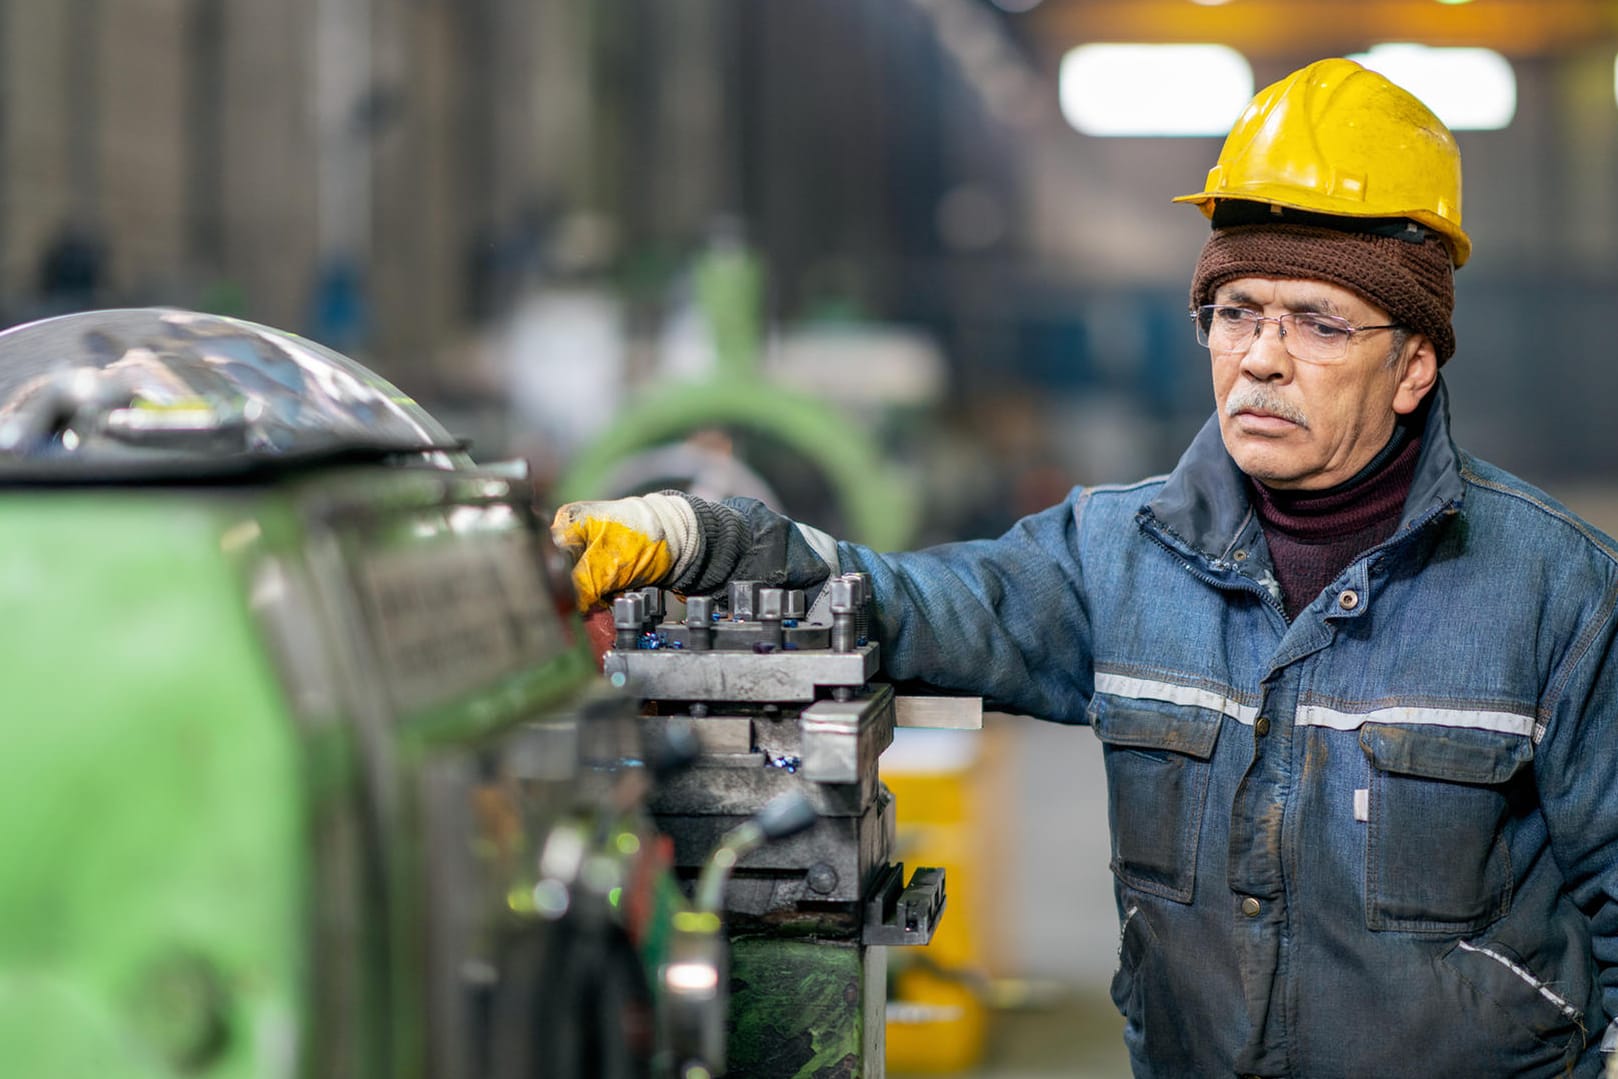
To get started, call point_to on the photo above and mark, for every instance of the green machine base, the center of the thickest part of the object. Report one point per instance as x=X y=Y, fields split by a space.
x=807 y=1009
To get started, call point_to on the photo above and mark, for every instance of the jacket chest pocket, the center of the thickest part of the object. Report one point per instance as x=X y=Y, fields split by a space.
x=1436 y=858
x=1158 y=762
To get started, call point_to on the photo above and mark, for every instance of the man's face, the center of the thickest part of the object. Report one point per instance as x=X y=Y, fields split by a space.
x=1304 y=426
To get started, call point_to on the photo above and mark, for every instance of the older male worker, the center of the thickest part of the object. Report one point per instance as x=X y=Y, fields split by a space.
x=1356 y=689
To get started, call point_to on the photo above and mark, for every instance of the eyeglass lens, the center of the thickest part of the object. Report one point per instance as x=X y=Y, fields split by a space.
x=1306 y=335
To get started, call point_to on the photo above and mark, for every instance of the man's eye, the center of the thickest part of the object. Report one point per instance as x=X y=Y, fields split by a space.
x=1235 y=316
x=1324 y=329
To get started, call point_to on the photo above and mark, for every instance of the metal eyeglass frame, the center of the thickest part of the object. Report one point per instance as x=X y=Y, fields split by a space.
x=1282 y=322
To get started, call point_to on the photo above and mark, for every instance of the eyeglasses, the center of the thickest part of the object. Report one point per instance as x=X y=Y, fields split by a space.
x=1307 y=335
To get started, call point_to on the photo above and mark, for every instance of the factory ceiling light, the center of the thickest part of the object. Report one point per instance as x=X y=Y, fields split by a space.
x=1470 y=89
x=1153 y=90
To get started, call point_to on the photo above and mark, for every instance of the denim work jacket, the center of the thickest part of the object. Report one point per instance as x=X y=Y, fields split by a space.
x=1380 y=840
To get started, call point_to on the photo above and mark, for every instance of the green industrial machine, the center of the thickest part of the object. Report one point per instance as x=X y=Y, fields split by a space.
x=308 y=767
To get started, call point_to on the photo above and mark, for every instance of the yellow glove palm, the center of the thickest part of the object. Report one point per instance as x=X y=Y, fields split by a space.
x=625 y=543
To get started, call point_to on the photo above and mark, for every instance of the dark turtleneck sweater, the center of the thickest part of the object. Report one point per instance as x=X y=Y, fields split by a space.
x=1312 y=535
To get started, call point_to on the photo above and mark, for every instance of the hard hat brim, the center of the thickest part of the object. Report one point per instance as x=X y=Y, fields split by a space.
x=1460 y=245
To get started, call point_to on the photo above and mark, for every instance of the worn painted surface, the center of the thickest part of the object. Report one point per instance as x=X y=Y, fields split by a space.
x=805 y=1009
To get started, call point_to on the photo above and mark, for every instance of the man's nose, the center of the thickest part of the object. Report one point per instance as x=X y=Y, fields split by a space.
x=1267 y=357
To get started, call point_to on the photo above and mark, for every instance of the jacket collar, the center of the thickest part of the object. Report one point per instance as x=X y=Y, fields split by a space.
x=1204 y=502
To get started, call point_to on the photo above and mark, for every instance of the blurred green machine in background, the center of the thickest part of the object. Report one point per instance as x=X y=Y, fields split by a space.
x=794 y=451
x=305 y=773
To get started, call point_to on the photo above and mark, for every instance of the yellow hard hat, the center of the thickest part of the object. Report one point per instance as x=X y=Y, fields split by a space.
x=1335 y=138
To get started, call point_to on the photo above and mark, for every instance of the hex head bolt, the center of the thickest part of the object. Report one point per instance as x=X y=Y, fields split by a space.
x=699 y=623
x=654 y=605
x=628 y=619
x=744 y=600
x=771 y=609
x=863 y=595
x=842 y=614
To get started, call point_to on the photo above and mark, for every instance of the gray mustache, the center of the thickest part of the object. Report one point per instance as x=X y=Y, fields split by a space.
x=1261 y=399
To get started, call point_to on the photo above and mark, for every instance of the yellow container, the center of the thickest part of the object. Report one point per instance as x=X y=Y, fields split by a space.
x=941 y=782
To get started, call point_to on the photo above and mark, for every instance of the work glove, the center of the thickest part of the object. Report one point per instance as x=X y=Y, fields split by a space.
x=626 y=543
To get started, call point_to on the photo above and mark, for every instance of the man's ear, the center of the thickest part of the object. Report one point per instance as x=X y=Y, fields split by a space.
x=1420 y=364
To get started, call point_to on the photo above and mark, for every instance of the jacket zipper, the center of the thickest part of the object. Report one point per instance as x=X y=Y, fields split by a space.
x=1241 y=584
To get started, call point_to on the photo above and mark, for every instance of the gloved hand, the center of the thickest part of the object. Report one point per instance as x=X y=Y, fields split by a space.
x=626 y=543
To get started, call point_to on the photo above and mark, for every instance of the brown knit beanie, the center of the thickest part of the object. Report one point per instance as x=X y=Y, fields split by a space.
x=1412 y=281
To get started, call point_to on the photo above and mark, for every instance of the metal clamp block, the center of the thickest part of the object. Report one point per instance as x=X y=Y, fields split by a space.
x=779 y=677
x=843 y=740
x=908 y=914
